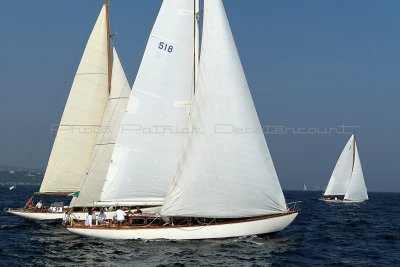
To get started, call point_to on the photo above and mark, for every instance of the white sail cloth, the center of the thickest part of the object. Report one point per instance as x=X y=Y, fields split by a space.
x=340 y=178
x=82 y=116
x=91 y=186
x=149 y=143
x=357 y=190
x=226 y=170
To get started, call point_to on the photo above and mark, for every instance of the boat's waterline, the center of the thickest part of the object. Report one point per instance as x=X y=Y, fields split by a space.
x=257 y=226
x=37 y=216
x=342 y=201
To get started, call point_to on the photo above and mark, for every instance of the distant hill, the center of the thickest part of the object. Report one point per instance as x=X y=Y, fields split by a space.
x=20 y=177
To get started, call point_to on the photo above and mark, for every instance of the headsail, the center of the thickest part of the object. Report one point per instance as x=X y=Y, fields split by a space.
x=82 y=116
x=357 y=190
x=150 y=143
x=91 y=186
x=340 y=178
x=226 y=170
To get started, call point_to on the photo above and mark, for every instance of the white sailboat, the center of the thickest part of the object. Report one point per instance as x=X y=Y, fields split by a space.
x=223 y=184
x=305 y=187
x=92 y=107
x=347 y=182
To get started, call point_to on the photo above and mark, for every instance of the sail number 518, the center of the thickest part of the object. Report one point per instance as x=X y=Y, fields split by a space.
x=166 y=47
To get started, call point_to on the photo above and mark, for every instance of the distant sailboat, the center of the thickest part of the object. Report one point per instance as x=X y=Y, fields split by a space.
x=87 y=108
x=221 y=185
x=305 y=187
x=347 y=181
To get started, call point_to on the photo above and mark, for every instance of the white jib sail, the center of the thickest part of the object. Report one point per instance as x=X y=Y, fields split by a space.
x=357 y=190
x=149 y=143
x=91 y=186
x=226 y=170
x=82 y=116
x=340 y=177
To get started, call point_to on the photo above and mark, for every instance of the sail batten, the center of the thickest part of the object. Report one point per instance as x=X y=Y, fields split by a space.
x=83 y=111
x=149 y=143
x=225 y=172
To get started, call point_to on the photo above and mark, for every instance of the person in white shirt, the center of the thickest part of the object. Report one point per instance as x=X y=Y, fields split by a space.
x=119 y=215
x=39 y=205
x=89 y=219
x=102 y=217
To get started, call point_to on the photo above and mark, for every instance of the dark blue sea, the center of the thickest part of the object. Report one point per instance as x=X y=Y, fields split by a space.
x=324 y=234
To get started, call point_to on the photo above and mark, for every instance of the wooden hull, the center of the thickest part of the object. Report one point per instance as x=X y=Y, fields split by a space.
x=257 y=226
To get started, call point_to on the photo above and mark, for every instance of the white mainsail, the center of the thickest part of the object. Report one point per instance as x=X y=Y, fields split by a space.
x=357 y=190
x=340 y=177
x=149 y=143
x=82 y=116
x=226 y=170
x=91 y=186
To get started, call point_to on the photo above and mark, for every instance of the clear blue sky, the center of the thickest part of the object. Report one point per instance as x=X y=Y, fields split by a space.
x=310 y=64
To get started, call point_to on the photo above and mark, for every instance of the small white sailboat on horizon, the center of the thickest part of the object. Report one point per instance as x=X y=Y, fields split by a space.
x=95 y=105
x=305 y=187
x=347 y=182
x=220 y=185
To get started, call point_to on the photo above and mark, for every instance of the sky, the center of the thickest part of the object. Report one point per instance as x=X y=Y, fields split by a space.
x=312 y=66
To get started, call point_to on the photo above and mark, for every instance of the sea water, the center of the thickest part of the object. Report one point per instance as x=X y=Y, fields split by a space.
x=323 y=234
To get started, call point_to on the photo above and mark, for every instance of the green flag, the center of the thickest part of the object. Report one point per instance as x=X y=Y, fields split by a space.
x=74 y=194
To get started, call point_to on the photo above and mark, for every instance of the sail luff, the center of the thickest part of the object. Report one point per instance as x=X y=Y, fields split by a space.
x=109 y=65
x=82 y=116
x=225 y=172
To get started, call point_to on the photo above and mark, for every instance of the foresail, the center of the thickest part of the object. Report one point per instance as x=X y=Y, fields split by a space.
x=150 y=141
x=340 y=177
x=357 y=190
x=91 y=186
x=82 y=116
x=226 y=170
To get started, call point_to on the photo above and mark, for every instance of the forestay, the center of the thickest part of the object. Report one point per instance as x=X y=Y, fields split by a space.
x=340 y=178
x=91 y=186
x=149 y=143
x=357 y=190
x=226 y=170
x=82 y=116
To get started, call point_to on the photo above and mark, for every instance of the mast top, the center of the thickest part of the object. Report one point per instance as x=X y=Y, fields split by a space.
x=108 y=45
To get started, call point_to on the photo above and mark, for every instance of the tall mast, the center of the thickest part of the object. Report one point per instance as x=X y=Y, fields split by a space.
x=108 y=45
x=196 y=40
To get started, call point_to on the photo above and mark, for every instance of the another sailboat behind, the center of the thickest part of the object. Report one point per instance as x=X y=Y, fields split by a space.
x=81 y=121
x=347 y=182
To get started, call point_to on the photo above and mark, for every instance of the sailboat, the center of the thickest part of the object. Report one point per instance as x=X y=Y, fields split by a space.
x=347 y=182
x=95 y=92
x=305 y=187
x=224 y=184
